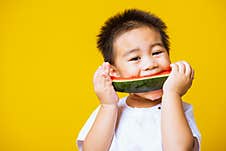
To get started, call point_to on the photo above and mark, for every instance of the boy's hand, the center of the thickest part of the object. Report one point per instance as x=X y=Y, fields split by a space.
x=180 y=79
x=103 y=85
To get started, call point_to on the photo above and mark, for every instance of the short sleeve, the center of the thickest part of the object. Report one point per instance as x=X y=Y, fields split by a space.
x=191 y=121
x=85 y=129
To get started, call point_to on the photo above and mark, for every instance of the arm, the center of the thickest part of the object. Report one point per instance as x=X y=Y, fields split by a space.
x=176 y=133
x=100 y=135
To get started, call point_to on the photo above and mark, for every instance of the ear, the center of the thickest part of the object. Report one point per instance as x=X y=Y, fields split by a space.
x=114 y=71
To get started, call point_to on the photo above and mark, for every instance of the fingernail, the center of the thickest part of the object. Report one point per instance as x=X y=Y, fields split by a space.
x=107 y=63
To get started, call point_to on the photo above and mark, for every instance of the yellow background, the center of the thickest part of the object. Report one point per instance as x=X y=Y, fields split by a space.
x=48 y=56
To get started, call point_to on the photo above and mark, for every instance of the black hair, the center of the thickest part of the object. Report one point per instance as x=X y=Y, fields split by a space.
x=125 y=21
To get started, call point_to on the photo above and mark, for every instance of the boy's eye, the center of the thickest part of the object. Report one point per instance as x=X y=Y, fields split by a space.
x=134 y=59
x=156 y=53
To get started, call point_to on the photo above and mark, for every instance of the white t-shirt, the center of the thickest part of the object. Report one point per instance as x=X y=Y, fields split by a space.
x=139 y=129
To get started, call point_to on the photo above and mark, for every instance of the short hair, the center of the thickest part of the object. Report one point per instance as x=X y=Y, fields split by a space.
x=126 y=21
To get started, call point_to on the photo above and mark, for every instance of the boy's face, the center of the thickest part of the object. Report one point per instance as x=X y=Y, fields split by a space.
x=139 y=52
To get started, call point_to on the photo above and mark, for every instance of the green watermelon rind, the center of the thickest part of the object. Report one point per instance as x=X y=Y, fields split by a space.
x=140 y=85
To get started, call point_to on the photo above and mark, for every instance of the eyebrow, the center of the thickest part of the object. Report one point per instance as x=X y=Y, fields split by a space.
x=137 y=49
x=156 y=44
x=131 y=51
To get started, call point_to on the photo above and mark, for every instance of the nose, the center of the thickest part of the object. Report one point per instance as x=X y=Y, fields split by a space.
x=148 y=64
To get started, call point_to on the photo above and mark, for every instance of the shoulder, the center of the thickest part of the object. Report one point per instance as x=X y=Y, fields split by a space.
x=86 y=127
x=188 y=110
x=186 y=106
x=122 y=102
x=88 y=124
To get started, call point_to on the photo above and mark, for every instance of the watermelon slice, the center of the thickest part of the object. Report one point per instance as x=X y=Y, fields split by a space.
x=140 y=84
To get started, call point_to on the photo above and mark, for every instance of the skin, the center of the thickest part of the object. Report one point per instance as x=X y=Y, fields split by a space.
x=140 y=52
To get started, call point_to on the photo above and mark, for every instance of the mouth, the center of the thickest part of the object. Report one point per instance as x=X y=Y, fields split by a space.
x=150 y=74
x=140 y=84
x=155 y=72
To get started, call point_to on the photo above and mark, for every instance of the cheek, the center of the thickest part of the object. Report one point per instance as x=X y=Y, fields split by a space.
x=165 y=61
x=128 y=71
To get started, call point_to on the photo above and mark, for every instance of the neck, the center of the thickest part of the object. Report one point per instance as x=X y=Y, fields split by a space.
x=134 y=100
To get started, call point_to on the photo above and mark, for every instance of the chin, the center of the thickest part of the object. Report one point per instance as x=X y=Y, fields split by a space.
x=152 y=95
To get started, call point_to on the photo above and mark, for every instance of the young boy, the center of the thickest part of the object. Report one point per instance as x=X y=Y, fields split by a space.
x=135 y=43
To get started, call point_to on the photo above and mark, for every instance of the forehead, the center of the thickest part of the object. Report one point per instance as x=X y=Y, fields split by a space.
x=141 y=38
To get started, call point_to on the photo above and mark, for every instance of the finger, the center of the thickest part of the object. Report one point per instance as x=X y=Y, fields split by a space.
x=181 y=67
x=107 y=67
x=108 y=78
x=188 y=69
x=98 y=72
x=174 y=67
x=192 y=74
x=105 y=70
